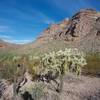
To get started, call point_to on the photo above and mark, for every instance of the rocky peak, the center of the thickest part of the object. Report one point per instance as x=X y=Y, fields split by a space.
x=83 y=28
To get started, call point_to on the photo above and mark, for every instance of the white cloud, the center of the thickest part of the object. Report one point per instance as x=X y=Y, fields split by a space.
x=5 y=36
x=24 y=41
x=10 y=39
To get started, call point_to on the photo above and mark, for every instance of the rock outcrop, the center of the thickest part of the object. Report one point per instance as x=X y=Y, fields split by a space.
x=82 y=31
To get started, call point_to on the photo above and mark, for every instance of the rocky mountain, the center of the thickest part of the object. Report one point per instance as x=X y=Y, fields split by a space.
x=81 y=31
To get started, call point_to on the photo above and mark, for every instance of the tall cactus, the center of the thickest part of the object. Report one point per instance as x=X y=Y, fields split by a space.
x=69 y=60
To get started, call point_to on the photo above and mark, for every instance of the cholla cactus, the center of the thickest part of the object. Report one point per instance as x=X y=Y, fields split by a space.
x=63 y=61
x=69 y=60
x=55 y=64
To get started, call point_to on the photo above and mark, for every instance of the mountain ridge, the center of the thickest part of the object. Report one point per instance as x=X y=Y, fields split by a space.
x=4 y=44
x=82 y=31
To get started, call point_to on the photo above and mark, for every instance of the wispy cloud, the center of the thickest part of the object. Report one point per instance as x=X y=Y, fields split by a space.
x=5 y=36
x=34 y=15
x=24 y=15
x=10 y=39
x=43 y=18
x=24 y=41
x=71 y=6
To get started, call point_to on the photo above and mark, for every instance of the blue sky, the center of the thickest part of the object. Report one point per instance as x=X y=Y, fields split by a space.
x=21 y=21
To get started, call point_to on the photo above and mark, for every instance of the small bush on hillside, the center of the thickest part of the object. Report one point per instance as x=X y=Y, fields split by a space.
x=9 y=67
x=36 y=91
x=93 y=64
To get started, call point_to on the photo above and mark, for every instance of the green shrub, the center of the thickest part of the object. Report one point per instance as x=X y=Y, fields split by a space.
x=9 y=67
x=36 y=90
x=93 y=64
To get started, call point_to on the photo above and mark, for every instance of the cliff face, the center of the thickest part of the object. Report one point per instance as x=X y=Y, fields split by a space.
x=82 y=31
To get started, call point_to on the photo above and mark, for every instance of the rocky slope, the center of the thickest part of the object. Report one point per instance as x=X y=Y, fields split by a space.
x=82 y=31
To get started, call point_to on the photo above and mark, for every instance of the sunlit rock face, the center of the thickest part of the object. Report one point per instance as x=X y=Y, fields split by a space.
x=82 y=31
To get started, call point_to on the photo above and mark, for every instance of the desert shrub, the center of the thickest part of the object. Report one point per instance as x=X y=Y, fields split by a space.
x=9 y=67
x=38 y=91
x=34 y=91
x=56 y=64
x=93 y=64
x=69 y=60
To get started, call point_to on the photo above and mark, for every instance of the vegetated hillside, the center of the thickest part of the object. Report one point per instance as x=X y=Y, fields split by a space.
x=81 y=31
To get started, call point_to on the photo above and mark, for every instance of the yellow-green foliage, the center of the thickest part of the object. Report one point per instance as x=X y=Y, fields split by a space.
x=62 y=61
x=9 y=66
x=69 y=60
